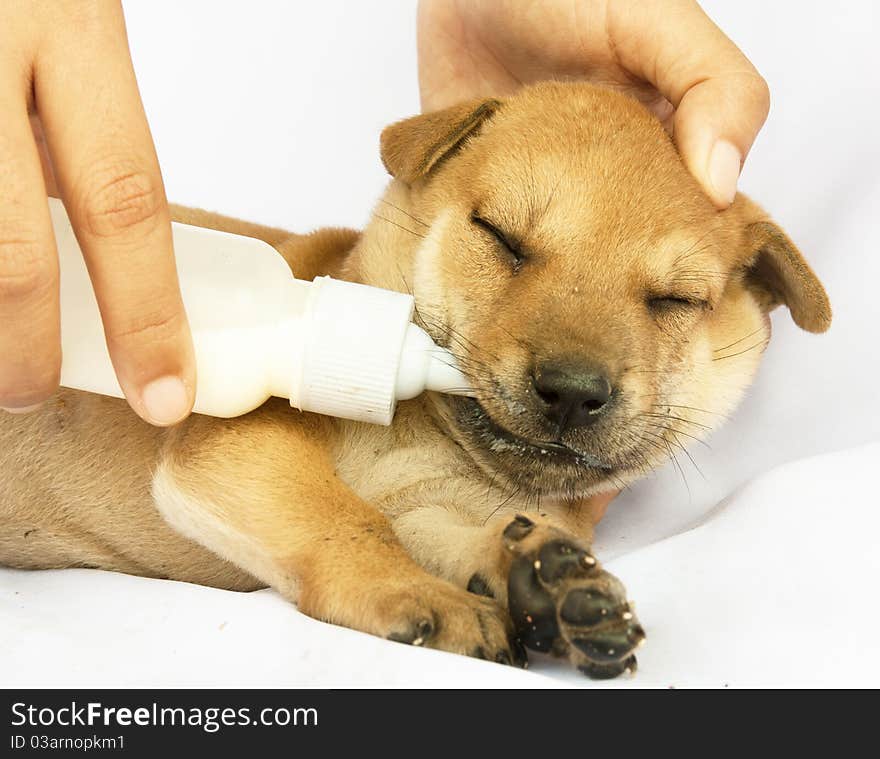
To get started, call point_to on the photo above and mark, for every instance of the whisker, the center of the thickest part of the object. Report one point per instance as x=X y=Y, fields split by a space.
x=679 y=467
x=694 y=408
x=736 y=342
x=762 y=343
x=687 y=453
x=676 y=418
x=405 y=213
x=504 y=503
x=399 y=226
x=512 y=336
x=463 y=341
x=687 y=253
x=682 y=432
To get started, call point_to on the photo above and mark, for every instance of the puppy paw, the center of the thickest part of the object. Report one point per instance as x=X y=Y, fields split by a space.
x=448 y=618
x=562 y=602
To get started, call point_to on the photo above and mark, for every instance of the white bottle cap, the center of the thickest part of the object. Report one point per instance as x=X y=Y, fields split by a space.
x=361 y=354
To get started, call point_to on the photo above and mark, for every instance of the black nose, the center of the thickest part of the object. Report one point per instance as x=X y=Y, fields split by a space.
x=569 y=396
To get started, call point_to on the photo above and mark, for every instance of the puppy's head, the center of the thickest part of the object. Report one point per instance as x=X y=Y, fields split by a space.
x=606 y=313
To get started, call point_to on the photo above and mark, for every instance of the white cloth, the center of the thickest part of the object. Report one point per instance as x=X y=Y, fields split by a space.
x=265 y=110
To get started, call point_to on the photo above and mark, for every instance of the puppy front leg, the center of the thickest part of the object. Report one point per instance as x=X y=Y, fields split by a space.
x=288 y=520
x=540 y=567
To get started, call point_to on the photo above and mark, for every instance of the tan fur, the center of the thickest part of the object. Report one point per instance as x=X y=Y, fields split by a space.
x=378 y=528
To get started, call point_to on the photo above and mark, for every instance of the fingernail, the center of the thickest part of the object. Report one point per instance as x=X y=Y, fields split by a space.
x=165 y=400
x=725 y=162
x=22 y=409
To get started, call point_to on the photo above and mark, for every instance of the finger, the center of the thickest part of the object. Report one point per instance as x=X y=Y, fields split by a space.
x=720 y=100
x=597 y=505
x=30 y=332
x=43 y=152
x=108 y=174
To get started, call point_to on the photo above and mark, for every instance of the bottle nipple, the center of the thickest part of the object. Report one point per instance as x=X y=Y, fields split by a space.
x=426 y=366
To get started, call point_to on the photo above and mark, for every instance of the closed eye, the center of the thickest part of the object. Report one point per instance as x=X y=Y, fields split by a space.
x=510 y=246
x=675 y=302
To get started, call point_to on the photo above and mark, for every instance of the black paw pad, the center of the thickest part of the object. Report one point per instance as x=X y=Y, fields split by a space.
x=609 y=671
x=416 y=635
x=610 y=645
x=558 y=559
x=531 y=608
x=478 y=586
x=518 y=528
x=585 y=607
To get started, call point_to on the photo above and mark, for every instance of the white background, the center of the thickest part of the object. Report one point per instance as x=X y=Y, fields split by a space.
x=271 y=111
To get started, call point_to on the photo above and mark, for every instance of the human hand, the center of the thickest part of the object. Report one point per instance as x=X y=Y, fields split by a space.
x=669 y=55
x=67 y=65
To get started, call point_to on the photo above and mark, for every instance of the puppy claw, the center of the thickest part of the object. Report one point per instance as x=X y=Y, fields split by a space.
x=416 y=635
x=519 y=528
x=520 y=657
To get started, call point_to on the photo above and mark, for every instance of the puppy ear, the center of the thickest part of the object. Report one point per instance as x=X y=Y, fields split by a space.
x=412 y=147
x=778 y=274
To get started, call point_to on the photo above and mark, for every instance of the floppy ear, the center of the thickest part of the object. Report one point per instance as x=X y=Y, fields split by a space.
x=411 y=148
x=778 y=274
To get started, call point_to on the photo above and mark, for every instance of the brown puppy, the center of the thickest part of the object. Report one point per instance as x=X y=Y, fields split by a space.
x=606 y=313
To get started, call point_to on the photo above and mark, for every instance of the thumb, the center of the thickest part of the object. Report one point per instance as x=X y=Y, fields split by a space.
x=715 y=124
x=720 y=99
